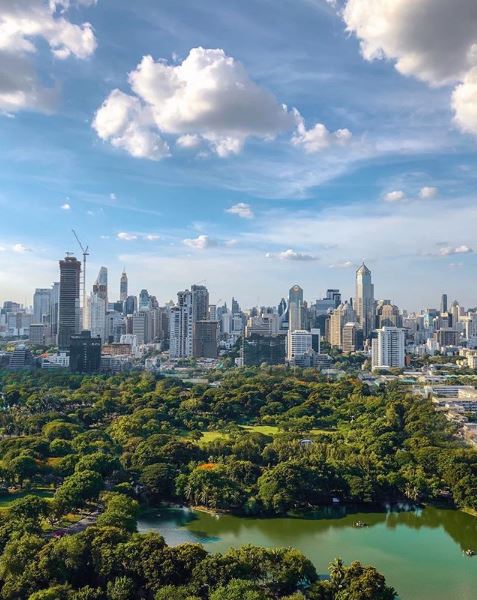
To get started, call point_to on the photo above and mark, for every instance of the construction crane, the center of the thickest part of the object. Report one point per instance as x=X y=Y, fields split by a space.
x=85 y=254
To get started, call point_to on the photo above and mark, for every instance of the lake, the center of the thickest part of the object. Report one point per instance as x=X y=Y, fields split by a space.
x=420 y=551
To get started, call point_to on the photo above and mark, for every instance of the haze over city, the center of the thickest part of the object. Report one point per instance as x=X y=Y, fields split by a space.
x=249 y=145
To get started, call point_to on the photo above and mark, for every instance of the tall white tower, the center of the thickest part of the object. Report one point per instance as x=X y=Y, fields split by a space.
x=364 y=300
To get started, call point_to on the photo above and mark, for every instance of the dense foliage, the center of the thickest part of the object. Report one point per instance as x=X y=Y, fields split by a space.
x=254 y=440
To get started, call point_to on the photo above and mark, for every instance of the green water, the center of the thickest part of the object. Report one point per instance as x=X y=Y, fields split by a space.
x=420 y=551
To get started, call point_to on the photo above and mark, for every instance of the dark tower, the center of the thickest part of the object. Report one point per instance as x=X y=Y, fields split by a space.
x=69 y=305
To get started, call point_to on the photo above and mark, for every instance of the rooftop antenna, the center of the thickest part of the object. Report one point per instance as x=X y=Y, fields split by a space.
x=85 y=254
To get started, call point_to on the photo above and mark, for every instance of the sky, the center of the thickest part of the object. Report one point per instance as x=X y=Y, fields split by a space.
x=245 y=145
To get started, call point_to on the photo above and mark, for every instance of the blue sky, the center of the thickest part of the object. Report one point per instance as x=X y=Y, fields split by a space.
x=264 y=143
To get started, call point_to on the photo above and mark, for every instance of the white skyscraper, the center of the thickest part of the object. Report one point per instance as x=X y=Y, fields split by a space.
x=364 y=300
x=97 y=316
x=388 y=348
x=41 y=305
x=299 y=344
x=181 y=326
x=295 y=305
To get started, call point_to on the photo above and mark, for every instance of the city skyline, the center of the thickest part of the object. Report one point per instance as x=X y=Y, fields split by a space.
x=329 y=157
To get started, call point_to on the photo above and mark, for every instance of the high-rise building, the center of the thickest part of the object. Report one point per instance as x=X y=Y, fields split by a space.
x=54 y=311
x=130 y=305
x=339 y=317
x=205 y=339
x=97 y=316
x=387 y=315
x=258 y=349
x=144 y=300
x=41 y=305
x=295 y=304
x=444 y=303
x=299 y=343
x=85 y=353
x=235 y=307
x=123 y=287
x=100 y=286
x=181 y=326
x=364 y=300
x=350 y=337
x=200 y=303
x=69 y=304
x=388 y=349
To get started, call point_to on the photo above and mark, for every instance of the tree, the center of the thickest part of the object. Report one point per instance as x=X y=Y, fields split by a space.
x=121 y=511
x=22 y=467
x=238 y=589
x=28 y=511
x=122 y=588
x=158 y=480
x=56 y=592
x=76 y=490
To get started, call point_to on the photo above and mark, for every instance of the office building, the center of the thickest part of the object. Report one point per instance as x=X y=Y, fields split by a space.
x=388 y=349
x=69 y=302
x=260 y=349
x=37 y=334
x=41 y=305
x=339 y=317
x=123 y=287
x=205 y=339
x=387 y=315
x=299 y=343
x=130 y=305
x=295 y=304
x=85 y=353
x=364 y=300
x=181 y=326
x=444 y=303
x=350 y=339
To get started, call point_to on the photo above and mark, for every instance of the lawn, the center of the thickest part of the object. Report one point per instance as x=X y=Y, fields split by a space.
x=272 y=430
x=43 y=492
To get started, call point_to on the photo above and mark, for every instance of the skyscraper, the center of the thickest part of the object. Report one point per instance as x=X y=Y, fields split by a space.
x=69 y=305
x=123 y=287
x=444 y=303
x=41 y=305
x=181 y=326
x=364 y=300
x=295 y=303
x=200 y=302
x=54 y=310
x=388 y=348
x=100 y=287
x=339 y=318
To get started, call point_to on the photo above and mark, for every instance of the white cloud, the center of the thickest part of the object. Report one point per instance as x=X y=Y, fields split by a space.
x=208 y=96
x=188 y=141
x=2 y=249
x=433 y=40
x=292 y=255
x=20 y=248
x=201 y=242
x=241 y=209
x=394 y=196
x=127 y=237
x=457 y=265
x=151 y=237
x=22 y=24
x=112 y=196
x=450 y=250
x=464 y=102
x=127 y=124
x=66 y=206
x=346 y=264
x=428 y=192
x=318 y=138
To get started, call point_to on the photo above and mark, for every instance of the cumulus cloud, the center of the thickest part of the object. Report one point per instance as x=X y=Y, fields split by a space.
x=451 y=250
x=201 y=242
x=394 y=196
x=20 y=248
x=207 y=98
x=427 y=192
x=151 y=237
x=318 y=137
x=241 y=209
x=126 y=236
x=188 y=141
x=22 y=24
x=128 y=124
x=433 y=40
x=292 y=255
x=66 y=206
x=346 y=264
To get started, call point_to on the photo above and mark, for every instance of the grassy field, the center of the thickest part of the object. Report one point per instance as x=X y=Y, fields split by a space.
x=272 y=430
x=6 y=501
